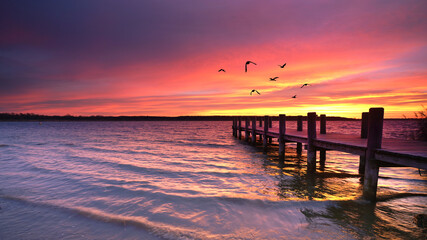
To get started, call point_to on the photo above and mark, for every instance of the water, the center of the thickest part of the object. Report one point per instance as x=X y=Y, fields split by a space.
x=191 y=180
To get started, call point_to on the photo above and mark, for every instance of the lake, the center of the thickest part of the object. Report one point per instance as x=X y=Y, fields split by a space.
x=192 y=180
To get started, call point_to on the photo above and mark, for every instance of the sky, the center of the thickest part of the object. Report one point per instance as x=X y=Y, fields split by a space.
x=161 y=57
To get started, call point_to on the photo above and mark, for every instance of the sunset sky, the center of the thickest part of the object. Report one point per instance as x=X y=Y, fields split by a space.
x=161 y=58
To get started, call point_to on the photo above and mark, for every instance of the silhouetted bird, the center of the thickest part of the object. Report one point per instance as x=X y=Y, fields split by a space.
x=294 y=96
x=246 y=65
x=274 y=79
x=253 y=90
x=305 y=84
x=221 y=70
x=282 y=66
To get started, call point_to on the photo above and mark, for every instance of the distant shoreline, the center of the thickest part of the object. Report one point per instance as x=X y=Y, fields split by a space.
x=24 y=117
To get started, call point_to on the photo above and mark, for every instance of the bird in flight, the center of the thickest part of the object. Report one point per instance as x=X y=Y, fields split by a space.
x=221 y=70
x=294 y=96
x=253 y=90
x=274 y=79
x=305 y=84
x=246 y=65
x=282 y=66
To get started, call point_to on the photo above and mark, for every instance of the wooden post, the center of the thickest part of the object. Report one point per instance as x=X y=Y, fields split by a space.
x=323 y=124
x=299 y=123
x=322 y=156
x=260 y=125
x=270 y=125
x=247 y=129
x=364 y=127
x=253 y=130
x=235 y=126
x=299 y=148
x=363 y=134
x=265 y=132
x=282 y=131
x=299 y=128
x=375 y=130
x=311 y=135
x=239 y=119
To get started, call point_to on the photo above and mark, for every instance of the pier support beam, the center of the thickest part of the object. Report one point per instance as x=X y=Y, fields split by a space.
x=270 y=125
x=299 y=123
x=247 y=129
x=239 y=119
x=282 y=131
x=322 y=157
x=311 y=135
x=322 y=124
x=375 y=130
x=265 y=132
x=260 y=126
x=234 y=127
x=299 y=128
x=253 y=130
x=299 y=149
x=363 y=134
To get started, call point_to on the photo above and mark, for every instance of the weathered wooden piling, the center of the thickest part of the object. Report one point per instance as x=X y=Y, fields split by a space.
x=247 y=129
x=363 y=134
x=322 y=124
x=282 y=131
x=375 y=131
x=299 y=123
x=253 y=130
x=260 y=126
x=270 y=125
x=265 y=132
x=234 y=126
x=299 y=128
x=311 y=136
x=239 y=119
x=322 y=151
x=364 y=125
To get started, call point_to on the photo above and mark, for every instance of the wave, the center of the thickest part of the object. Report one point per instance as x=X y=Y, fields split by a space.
x=158 y=229
x=104 y=150
x=194 y=143
x=4 y=145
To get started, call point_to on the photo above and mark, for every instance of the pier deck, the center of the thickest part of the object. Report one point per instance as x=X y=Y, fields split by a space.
x=397 y=151
x=374 y=151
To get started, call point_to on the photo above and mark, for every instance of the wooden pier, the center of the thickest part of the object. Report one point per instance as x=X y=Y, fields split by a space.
x=374 y=150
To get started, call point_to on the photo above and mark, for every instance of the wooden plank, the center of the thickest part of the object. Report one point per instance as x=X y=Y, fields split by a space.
x=348 y=148
x=402 y=158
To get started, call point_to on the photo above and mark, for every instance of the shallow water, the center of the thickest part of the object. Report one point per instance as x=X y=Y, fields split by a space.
x=191 y=180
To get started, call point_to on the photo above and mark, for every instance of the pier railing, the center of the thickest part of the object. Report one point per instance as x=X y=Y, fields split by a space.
x=374 y=151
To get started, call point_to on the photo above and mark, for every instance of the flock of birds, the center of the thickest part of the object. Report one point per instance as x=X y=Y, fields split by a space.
x=271 y=79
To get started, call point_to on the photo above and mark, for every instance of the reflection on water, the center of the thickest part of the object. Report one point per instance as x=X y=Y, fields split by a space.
x=383 y=219
x=190 y=180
